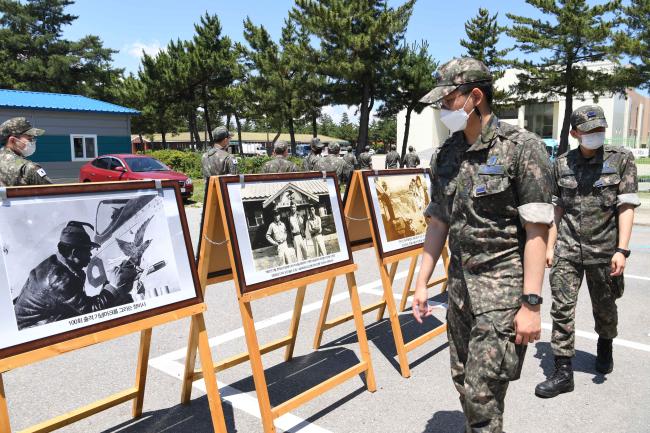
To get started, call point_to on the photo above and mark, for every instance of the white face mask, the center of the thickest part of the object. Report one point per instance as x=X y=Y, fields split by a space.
x=592 y=141
x=29 y=149
x=455 y=120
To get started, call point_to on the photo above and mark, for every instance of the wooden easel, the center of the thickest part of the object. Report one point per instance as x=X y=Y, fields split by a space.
x=217 y=252
x=357 y=215
x=135 y=393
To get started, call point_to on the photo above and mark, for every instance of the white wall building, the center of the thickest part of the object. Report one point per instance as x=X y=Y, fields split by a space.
x=628 y=117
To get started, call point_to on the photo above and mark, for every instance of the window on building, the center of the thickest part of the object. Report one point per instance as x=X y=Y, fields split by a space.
x=256 y=220
x=506 y=111
x=83 y=146
x=539 y=119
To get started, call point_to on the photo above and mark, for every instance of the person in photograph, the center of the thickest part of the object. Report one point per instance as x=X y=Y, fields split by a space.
x=315 y=230
x=18 y=138
x=365 y=159
x=392 y=158
x=280 y=162
x=497 y=239
x=423 y=192
x=414 y=193
x=383 y=195
x=595 y=194
x=276 y=235
x=411 y=159
x=54 y=289
x=218 y=161
x=297 y=227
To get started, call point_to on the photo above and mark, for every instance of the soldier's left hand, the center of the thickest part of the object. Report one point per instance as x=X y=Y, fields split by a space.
x=528 y=324
x=617 y=265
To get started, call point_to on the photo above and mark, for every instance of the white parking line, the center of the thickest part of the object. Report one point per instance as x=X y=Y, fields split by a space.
x=617 y=341
x=636 y=277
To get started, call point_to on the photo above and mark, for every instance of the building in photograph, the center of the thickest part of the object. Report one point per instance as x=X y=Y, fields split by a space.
x=628 y=117
x=77 y=128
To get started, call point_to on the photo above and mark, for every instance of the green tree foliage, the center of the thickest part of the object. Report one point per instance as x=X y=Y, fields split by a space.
x=573 y=34
x=635 y=41
x=412 y=78
x=36 y=57
x=359 y=42
x=383 y=132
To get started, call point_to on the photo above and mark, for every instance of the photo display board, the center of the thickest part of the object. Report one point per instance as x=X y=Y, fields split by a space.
x=284 y=226
x=397 y=201
x=78 y=259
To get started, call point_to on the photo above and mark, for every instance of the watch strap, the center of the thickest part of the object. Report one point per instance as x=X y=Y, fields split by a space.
x=626 y=253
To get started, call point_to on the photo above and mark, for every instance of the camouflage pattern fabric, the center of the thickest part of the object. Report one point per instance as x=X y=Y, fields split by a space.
x=350 y=159
x=588 y=117
x=392 y=159
x=18 y=171
x=18 y=126
x=218 y=162
x=365 y=161
x=484 y=359
x=279 y=164
x=333 y=162
x=454 y=73
x=309 y=162
x=487 y=192
x=566 y=278
x=411 y=160
x=590 y=191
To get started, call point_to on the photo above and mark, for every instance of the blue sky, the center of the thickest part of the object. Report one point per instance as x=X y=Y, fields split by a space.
x=131 y=26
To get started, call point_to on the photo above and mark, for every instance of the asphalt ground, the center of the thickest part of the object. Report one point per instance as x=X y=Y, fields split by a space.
x=425 y=403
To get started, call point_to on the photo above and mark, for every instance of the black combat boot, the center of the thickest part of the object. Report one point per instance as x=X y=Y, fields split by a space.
x=604 y=360
x=561 y=380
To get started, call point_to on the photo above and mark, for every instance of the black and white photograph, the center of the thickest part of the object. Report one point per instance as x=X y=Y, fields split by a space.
x=287 y=227
x=70 y=261
x=398 y=203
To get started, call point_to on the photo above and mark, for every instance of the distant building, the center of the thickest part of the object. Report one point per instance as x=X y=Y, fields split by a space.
x=628 y=117
x=77 y=128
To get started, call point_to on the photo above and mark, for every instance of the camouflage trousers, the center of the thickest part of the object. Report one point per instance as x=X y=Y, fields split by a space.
x=484 y=359
x=566 y=278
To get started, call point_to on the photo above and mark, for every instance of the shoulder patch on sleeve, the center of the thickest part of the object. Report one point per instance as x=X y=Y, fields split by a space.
x=41 y=172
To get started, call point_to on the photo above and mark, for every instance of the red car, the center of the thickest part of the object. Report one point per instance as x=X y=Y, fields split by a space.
x=110 y=168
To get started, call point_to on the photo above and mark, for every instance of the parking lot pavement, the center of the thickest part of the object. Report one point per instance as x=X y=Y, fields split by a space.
x=424 y=403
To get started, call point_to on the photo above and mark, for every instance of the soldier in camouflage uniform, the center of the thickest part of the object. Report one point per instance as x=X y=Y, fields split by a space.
x=350 y=159
x=392 y=158
x=280 y=162
x=491 y=193
x=595 y=193
x=315 y=155
x=333 y=162
x=411 y=159
x=365 y=160
x=17 y=136
x=218 y=161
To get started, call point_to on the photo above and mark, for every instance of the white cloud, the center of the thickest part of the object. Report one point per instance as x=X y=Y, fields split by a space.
x=136 y=48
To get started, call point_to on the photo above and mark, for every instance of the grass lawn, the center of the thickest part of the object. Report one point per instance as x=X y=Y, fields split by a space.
x=199 y=191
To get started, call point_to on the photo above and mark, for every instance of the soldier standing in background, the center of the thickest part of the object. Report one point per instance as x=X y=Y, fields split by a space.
x=332 y=162
x=315 y=154
x=350 y=159
x=218 y=161
x=280 y=162
x=365 y=159
x=18 y=137
x=392 y=158
x=595 y=193
x=411 y=159
x=492 y=194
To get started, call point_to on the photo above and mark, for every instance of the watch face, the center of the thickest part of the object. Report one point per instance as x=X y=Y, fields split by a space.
x=534 y=299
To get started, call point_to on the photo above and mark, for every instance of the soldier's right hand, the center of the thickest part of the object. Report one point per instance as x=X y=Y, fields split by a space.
x=420 y=307
x=549 y=257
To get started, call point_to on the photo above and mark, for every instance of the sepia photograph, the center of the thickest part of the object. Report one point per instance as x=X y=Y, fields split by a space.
x=70 y=261
x=287 y=227
x=398 y=203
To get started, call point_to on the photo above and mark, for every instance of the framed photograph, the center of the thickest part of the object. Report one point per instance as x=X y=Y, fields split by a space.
x=77 y=259
x=398 y=199
x=284 y=226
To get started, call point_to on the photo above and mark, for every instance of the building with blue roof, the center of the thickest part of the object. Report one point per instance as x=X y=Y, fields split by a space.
x=77 y=128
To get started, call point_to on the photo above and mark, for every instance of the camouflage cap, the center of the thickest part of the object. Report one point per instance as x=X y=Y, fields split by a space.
x=281 y=146
x=75 y=235
x=316 y=143
x=454 y=73
x=19 y=126
x=334 y=147
x=587 y=118
x=219 y=133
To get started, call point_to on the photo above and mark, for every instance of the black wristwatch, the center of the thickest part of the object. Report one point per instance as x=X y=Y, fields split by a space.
x=626 y=253
x=532 y=299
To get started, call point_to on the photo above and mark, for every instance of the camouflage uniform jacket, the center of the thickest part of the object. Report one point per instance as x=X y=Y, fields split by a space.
x=335 y=163
x=350 y=159
x=365 y=161
x=217 y=162
x=309 y=162
x=590 y=192
x=392 y=159
x=18 y=171
x=279 y=164
x=411 y=160
x=486 y=193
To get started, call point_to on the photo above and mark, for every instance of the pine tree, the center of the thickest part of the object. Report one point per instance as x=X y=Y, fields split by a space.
x=412 y=78
x=359 y=41
x=573 y=35
x=635 y=41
